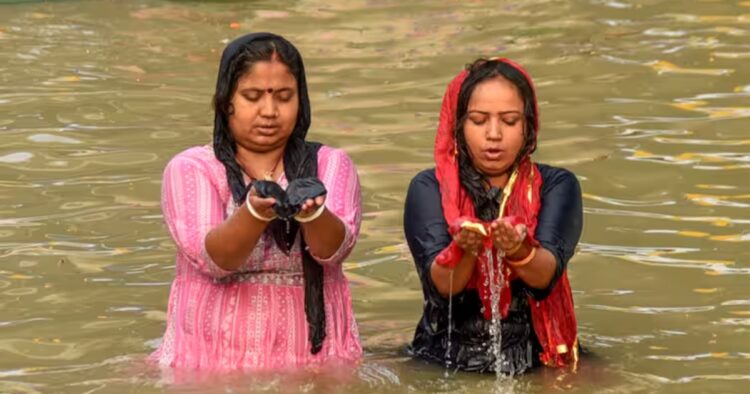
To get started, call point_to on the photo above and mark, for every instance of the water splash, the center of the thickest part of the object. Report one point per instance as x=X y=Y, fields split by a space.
x=496 y=322
x=448 y=363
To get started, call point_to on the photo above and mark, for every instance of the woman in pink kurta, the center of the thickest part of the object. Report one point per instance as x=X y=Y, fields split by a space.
x=240 y=298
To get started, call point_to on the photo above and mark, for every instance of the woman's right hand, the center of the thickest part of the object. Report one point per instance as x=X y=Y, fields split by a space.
x=451 y=275
x=469 y=240
x=230 y=243
x=262 y=206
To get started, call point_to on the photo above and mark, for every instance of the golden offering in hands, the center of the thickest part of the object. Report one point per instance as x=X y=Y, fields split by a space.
x=475 y=227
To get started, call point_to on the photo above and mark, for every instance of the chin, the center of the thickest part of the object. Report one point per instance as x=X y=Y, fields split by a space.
x=492 y=167
x=269 y=140
x=261 y=145
x=494 y=170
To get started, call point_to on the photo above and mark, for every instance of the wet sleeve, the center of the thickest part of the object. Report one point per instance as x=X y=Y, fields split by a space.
x=560 y=221
x=192 y=207
x=425 y=229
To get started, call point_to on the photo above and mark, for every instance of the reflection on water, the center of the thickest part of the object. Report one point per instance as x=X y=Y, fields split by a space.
x=647 y=102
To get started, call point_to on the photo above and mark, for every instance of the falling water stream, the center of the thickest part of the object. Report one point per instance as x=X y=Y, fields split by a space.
x=448 y=363
x=496 y=322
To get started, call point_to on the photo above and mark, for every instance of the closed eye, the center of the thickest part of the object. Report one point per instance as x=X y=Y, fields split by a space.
x=478 y=120
x=252 y=95
x=511 y=121
x=285 y=95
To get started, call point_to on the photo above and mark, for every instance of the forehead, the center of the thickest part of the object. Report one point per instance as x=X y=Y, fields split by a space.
x=267 y=74
x=496 y=94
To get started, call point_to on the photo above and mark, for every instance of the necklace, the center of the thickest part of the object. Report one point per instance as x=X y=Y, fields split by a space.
x=268 y=175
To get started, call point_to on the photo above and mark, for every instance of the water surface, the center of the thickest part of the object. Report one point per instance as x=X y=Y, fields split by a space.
x=647 y=102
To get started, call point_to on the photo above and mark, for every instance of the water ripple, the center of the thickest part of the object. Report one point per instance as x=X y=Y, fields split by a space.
x=646 y=102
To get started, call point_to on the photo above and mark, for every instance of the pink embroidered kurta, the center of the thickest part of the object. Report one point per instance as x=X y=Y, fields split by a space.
x=252 y=318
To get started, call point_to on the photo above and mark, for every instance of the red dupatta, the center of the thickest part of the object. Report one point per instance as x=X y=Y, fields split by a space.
x=553 y=318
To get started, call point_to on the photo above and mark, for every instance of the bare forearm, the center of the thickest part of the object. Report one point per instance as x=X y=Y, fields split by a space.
x=324 y=235
x=441 y=275
x=539 y=271
x=230 y=243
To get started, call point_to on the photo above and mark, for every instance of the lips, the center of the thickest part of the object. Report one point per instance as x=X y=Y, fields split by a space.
x=492 y=153
x=267 y=129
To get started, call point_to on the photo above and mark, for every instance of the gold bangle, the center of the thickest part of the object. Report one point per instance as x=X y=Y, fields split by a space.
x=524 y=261
x=514 y=250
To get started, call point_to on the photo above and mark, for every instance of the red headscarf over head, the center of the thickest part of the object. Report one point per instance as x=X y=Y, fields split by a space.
x=553 y=318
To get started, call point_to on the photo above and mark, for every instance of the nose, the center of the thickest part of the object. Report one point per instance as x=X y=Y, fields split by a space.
x=494 y=129
x=268 y=106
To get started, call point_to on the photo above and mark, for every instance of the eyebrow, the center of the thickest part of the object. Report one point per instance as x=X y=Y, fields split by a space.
x=253 y=90
x=501 y=112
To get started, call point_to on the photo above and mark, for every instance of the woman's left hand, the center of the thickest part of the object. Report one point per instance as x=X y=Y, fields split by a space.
x=311 y=206
x=507 y=237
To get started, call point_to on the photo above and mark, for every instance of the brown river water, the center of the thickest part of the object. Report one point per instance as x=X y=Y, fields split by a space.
x=647 y=101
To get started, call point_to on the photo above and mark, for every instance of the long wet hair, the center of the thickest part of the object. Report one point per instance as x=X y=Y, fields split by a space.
x=477 y=185
x=300 y=157
x=263 y=48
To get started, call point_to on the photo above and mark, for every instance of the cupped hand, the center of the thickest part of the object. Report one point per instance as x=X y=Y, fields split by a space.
x=507 y=237
x=263 y=206
x=310 y=206
x=469 y=240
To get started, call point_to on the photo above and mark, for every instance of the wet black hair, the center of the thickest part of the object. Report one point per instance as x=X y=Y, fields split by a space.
x=234 y=65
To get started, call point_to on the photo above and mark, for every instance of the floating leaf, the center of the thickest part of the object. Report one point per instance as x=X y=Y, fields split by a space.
x=693 y=234
x=69 y=78
x=132 y=68
x=732 y=55
x=20 y=277
x=40 y=15
x=689 y=105
x=663 y=66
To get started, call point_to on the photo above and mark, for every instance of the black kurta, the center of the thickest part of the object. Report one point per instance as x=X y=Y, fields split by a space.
x=558 y=230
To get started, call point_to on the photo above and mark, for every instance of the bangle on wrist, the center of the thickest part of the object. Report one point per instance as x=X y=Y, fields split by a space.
x=524 y=261
x=514 y=249
x=255 y=213
x=312 y=217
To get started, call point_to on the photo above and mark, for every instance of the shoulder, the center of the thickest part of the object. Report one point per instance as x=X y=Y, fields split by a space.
x=333 y=158
x=557 y=178
x=424 y=189
x=425 y=180
x=199 y=158
x=198 y=163
x=329 y=152
x=423 y=210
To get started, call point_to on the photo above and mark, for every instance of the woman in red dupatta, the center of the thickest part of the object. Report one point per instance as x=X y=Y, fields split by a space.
x=491 y=232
